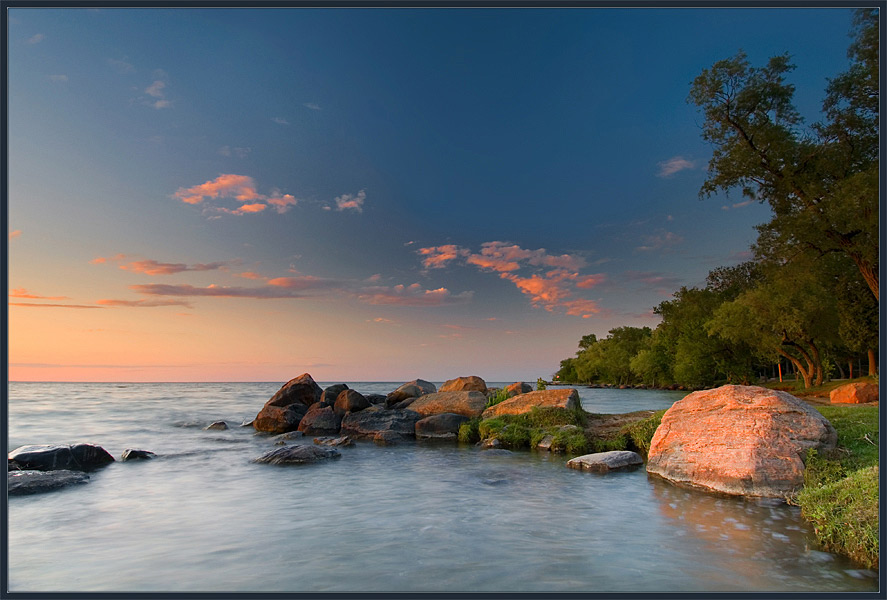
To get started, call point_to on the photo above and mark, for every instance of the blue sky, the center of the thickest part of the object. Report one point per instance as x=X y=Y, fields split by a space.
x=375 y=194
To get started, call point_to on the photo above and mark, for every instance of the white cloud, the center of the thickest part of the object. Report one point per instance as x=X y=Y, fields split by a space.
x=36 y=39
x=121 y=66
x=312 y=106
x=674 y=165
x=58 y=78
x=351 y=201
x=156 y=89
x=280 y=121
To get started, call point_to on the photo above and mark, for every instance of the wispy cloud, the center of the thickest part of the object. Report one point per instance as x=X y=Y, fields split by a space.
x=25 y=294
x=58 y=78
x=153 y=267
x=238 y=152
x=661 y=240
x=121 y=66
x=36 y=38
x=669 y=167
x=217 y=291
x=157 y=91
x=280 y=121
x=412 y=295
x=736 y=205
x=351 y=201
x=653 y=280
x=36 y=305
x=14 y=234
x=143 y=303
x=312 y=106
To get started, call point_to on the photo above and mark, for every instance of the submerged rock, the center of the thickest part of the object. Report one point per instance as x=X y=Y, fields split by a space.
x=567 y=398
x=387 y=438
x=740 y=440
x=133 y=454
x=297 y=455
x=601 y=462
x=20 y=483
x=216 y=426
x=78 y=457
x=334 y=441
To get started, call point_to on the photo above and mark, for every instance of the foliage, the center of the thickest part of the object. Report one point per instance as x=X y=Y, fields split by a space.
x=469 y=432
x=540 y=384
x=640 y=434
x=499 y=396
x=528 y=429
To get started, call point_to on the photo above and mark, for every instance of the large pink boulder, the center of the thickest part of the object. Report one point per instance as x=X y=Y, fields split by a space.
x=739 y=440
x=854 y=393
x=560 y=398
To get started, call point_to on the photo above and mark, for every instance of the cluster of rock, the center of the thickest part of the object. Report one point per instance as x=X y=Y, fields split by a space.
x=854 y=393
x=415 y=410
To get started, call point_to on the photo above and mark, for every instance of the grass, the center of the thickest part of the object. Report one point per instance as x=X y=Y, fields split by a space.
x=796 y=388
x=840 y=494
x=528 y=429
x=499 y=396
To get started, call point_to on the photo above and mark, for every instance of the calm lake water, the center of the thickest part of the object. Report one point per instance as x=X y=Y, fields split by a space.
x=413 y=517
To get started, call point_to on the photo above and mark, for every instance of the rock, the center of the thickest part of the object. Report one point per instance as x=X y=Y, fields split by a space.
x=277 y=419
x=490 y=444
x=404 y=404
x=375 y=398
x=411 y=389
x=444 y=426
x=286 y=408
x=301 y=389
x=545 y=443
x=518 y=388
x=247 y=423
x=334 y=441
x=320 y=420
x=601 y=462
x=740 y=440
x=350 y=401
x=854 y=393
x=132 y=454
x=387 y=438
x=366 y=424
x=20 y=483
x=469 y=404
x=77 y=457
x=297 y=455
x=329 y=395
x=217 y=426
x=289 y=435
x=561 y=398
x=472 y=383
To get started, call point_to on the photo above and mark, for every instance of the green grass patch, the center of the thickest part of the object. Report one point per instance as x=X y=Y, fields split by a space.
x=840 y=494
x=469 y=432
x=796 y=388
x=528 y=429
x=844 y=514
x=499 y=396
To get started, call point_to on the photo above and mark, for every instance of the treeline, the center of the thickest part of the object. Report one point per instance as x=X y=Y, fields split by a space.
x=809 y=298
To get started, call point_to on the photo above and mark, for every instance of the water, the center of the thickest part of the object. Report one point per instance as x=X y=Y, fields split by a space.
x=413 y=517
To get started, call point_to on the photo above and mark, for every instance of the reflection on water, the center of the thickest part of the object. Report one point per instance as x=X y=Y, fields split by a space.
x=414 y=517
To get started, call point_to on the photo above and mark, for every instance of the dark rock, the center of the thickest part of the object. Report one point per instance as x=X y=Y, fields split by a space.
x=518 y=388
x=20 y=483
x=490 y=444
x=442 y=426
x=132 y=454
x=320 y=420
x=328 y=398
x=280 y=419
x=78 y=457
x=601 y=462
x=301 y=389
x=297 y=455
x=216 y=426
x=334 y=441
x=366 y=424
x=411 y=389
x=289 y=435
x=375 y=398
x=404 y=404
x=350 y=401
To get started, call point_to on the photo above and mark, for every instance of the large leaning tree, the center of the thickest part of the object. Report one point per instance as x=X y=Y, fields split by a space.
x=822 y=181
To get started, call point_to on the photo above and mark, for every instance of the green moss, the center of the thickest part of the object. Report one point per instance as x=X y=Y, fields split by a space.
x=468 y=431
x=528 y=429
x=844 y=514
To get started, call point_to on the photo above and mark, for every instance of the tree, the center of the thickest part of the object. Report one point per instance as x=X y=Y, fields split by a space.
x=821 y=183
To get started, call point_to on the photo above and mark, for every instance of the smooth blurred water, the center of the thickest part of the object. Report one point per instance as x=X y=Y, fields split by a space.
x=413 y=517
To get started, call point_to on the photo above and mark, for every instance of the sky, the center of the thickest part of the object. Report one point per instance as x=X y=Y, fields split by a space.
x=373 y=194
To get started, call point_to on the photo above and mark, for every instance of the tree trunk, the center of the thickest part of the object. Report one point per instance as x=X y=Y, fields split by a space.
x=850 y=364
x=840 y=369
x=873 y=365
x=817 y=362
x=806 y=373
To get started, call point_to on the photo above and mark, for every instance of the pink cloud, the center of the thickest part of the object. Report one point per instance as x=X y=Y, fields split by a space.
x=282 y=203
x=591 y=281
x=143 y=303
x=223 y=186
x=35 y=305
x=218 y=291
x=23 y=293
x=351 y=201
x=250 y=275
x=153 y=267
x=437 y=256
